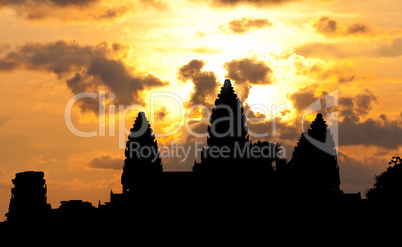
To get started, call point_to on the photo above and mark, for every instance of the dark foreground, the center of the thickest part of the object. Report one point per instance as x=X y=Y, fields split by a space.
x=202 y=220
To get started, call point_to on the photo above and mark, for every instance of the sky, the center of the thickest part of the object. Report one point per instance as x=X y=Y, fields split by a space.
x=167 y=57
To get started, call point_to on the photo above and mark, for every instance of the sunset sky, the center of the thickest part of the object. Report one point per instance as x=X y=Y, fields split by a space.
x=283 y=53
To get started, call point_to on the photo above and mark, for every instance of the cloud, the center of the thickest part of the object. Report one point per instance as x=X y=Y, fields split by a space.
x=258 y=3
x=326 y=26
x=376 y=132
x=161 y=113
x=247 y=72
x=342 y=75
x=320 y=71
x=381 y=132
x=68 y=10
x=364 y=102
x=323 y=50
x=357 y=106
x=392 y=50
x=329 y=27
x=245 y=24
x=302 y=98
x=57 y=3
x=357 y=28
x=106 y=162
x=84 y=69
x=205 y=82
x=345 y=50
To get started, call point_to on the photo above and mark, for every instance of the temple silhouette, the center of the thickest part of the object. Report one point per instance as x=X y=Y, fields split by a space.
x=231 y=198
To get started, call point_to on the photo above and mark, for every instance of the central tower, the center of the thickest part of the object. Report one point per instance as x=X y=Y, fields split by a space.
x=228 y=123
x=227 y=131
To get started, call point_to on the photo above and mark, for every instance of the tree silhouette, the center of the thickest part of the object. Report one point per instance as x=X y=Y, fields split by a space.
x=142 y=166
x=388 y=185
x=316 y=170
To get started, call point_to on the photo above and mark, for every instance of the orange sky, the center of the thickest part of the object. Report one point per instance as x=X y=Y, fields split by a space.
x=284 y=52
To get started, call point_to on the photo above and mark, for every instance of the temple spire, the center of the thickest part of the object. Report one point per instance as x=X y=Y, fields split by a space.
x=141 y=172
x=227 y=84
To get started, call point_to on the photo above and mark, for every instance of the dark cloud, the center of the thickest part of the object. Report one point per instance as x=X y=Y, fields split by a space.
x=205 y=82
x=84 y=68
x=249 y=70
x=74 y=10
x=61 y=3
x=302 y=98
x=364 y=102
x=328 y=26
x=246 y=72
x=161 y=113
x=357 y=106
x=380 y=132
x=251 y=115
x=357 y=28
x=245 y=24
x=106 y=162
x=383 y=117
x=376 y=132
x=353 y=107
x=112 y=13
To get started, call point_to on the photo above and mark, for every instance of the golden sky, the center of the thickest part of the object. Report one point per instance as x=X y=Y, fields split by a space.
x=277 y=53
